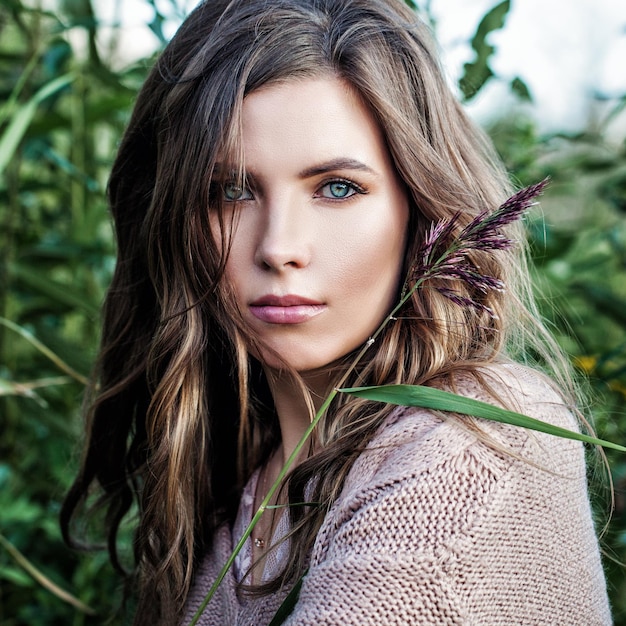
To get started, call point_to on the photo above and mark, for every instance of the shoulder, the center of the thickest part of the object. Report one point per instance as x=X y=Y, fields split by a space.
x=432 y=477
x=415 y=439
x=511 y=386
x=477 y=521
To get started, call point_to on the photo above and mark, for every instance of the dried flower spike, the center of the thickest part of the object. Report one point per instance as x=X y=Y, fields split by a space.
x=445 y=257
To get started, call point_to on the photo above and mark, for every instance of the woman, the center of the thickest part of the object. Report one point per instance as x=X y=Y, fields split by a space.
x=283 y=165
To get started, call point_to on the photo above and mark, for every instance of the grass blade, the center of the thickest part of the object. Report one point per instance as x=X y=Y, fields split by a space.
x=436 y=399
x=42 y=579
x=286 y=608
x=22 y=118
x=62 y=365
x=27 y=389
x=50 y=289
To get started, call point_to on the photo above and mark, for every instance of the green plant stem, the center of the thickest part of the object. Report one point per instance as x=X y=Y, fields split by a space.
x=11 y=102
x=257 y=516
x=42 y=579
x=62 y=365
x=296 y=452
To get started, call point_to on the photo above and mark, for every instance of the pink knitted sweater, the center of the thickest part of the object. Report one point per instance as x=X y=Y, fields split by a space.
x=433 y=527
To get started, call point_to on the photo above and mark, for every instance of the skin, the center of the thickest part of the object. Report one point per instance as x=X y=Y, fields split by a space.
x=317 y=251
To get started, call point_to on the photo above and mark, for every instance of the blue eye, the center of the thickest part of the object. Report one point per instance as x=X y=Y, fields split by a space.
x=233 y=192
x=339 y=190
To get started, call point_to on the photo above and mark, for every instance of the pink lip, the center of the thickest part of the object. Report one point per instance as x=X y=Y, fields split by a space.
x=289 y=309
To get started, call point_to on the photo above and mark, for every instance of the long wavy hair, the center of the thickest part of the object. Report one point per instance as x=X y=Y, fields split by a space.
x=179 y=415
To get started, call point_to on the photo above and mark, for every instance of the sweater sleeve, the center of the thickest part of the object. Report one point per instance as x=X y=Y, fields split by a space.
x=436 y=527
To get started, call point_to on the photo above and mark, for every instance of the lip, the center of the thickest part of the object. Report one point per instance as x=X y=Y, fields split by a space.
x=288 y=309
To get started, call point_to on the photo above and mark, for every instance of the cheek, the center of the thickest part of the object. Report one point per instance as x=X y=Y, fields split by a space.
x=369 y=258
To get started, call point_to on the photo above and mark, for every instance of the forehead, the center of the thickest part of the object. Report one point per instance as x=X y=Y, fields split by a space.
x=304 y=120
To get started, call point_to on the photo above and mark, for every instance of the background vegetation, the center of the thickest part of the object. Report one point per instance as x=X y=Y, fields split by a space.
x=63 y=105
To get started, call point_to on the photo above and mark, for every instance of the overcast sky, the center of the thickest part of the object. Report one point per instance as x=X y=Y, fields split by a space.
x=567 y=51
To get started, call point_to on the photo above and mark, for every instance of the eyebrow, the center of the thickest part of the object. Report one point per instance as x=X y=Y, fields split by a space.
x=315 y=170
x=336 y=164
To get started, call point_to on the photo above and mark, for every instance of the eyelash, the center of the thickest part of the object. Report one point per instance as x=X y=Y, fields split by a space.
x=219 y=190
x=354 y=187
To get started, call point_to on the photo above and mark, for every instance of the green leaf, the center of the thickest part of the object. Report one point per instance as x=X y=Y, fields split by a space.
x=286 y=608
x=16 y=577
x=22 y=118
x=604 y=300
x=478 y=72
x=53 y=290
x=438 y=400
x=520 y=89
x=492 y=20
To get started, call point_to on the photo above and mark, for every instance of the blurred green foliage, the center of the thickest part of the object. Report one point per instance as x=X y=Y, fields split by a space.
x=579 y=249
x=62 y=112
x=63 y=105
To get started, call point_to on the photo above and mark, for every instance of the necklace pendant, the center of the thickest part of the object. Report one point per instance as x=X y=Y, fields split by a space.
x=259 y=543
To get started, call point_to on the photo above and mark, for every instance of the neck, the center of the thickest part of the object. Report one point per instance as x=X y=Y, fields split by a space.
x=294 y=412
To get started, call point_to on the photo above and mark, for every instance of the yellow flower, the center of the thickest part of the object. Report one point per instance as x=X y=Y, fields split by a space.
x=615 y=385
x=585 y=363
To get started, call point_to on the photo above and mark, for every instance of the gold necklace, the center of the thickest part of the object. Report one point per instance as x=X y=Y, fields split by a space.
x=259 y=541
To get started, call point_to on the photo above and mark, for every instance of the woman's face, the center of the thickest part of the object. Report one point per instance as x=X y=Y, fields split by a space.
x=319 y=241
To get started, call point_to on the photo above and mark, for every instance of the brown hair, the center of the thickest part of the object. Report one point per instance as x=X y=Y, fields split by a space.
x=179 y=415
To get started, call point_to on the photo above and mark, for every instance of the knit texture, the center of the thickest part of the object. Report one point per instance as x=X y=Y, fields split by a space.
x=434 y=527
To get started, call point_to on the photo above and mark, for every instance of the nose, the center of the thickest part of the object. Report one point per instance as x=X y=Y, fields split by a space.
x=284 y=240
